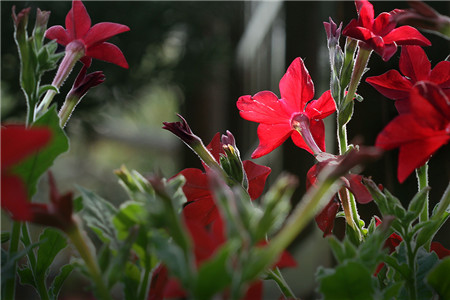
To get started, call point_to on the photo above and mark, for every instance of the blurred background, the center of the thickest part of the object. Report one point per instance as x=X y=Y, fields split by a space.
x=196 y=59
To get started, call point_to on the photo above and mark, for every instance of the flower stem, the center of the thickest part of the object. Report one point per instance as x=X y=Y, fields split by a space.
x=358 y=70
x=79 y=241
x=276 y=276
x=66 y=110
x=10 y=285
x=422 y=181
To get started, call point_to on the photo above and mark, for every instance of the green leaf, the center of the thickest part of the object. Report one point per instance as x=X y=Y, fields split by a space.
x=130 y=214
x=416 y=205
x=350 y=280
x=45 y=88
x=214 y=275
x=346 y=113
x=98 y=215
x=131 y=281
x=26 y=277
x=425 y=262
x=57 y=283
x=51 y=243
x=5 y=237
x=8 y=263
x=33 y=167
x=438 y=278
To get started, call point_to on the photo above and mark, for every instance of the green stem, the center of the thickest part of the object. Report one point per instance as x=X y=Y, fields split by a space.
x=79 y=241
x=66 y=110
x=10 y=285
x=358 y=70
x=314 y=200
x=145 y=283
x=276 y=276
x=422 y=181
x=39 y=278
x=342 y=138
x=410 y=282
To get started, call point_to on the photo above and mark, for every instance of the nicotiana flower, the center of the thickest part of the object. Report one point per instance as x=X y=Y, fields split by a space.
x=414 y=67
x=421 y=130
x=91 y=41
x=295 y=115
x=379 y=34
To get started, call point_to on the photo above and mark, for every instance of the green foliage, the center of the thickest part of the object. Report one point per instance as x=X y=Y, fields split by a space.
x=438 y=278
x=31 y=169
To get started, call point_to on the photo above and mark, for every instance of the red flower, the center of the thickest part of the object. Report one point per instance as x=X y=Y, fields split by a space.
x=197 y=187
x=415 y=67
x=420 y=131
x=285 y=117
x=18 y=142
x=380 y=34
x=79 y=33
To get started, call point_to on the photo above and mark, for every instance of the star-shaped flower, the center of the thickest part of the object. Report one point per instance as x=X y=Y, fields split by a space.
x=380 y=34
x=92 y=40
x=295 y=112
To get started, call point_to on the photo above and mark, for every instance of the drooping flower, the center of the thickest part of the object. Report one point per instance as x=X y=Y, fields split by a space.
x=352 y=182
x=197 y=188
x=18 y=143
x=379 y=34
x=90 y=40
x=295 y=115
x=414 y=67
x=420 y=131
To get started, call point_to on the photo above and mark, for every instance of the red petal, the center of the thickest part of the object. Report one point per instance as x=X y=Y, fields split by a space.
x=78 y=21
x=325 y=219
x=286 y=260
x=296 y=87
x=391 y=85
x=196 y=186
x=109 y=53
x=264 y=107
x=19 y=142
x=216 y=147
x=414 y=63
x=440 y=250
x=59 y=34
x=254 y=292
x=406 y=35
x=441 y=74
x=431 y=105
x=256 y=175
x=383 y=24
x=271 y=137
x=299 y=142
x=322 y=107
x=387 y=51
x=158 y=283
x=204 y=243
x=365 y=12
x=14 y=197
x=358 y=33
x=103 y=31
x=358 y=189
x=415 y=154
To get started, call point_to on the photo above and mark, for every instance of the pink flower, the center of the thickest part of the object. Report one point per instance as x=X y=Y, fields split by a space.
x=415 y=67
x=92 y=40
x=420 y=131
x=380 y=34
x=295 y=112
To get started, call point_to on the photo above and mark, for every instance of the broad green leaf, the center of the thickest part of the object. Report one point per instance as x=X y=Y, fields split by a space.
x=51 y=243
x=130 y=213
x=8 y=263
x=57 y=283
x=350 y=280
x=425 y=262
x=37 y=164
x=392 y=291
x=439 y=278
x=98 y=215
